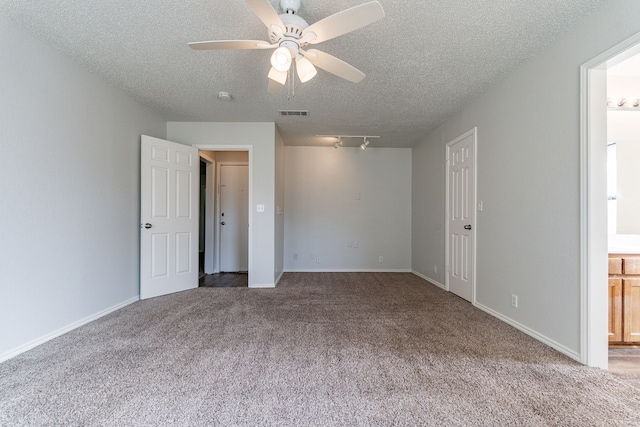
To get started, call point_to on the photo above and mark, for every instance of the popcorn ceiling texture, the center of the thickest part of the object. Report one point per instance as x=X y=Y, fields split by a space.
x=424 y=61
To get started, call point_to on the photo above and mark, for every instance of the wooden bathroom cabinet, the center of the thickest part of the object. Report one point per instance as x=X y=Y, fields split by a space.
x=624 y=299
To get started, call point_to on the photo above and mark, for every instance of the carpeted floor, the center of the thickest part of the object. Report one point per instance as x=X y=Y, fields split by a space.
x=325 y=349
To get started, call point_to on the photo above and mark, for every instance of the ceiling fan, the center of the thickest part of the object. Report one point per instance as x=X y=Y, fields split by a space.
x=289 y=35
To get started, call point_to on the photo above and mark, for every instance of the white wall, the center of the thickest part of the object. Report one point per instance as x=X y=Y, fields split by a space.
x=69 y=192
x=528 y=237
x=427 y=208
x=280 y=205
x=336 y=196
x=261 y=136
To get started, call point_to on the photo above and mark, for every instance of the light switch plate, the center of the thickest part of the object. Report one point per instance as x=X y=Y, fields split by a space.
x=260 y=208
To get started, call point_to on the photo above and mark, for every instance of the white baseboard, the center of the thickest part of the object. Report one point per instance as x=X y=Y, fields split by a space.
x=263 y=286
x=349 y=270
x=545 y=340
x=430 y=280
x=279 y=277
x=34 y=343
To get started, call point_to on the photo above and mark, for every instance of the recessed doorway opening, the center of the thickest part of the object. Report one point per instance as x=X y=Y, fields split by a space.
x=225 y=216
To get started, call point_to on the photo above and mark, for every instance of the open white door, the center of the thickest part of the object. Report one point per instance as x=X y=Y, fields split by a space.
x=461 y=201
x=169 y=217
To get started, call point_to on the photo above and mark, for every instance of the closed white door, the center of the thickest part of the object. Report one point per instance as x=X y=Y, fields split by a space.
x=169 y=184
x=461 y=215
x=234 y=217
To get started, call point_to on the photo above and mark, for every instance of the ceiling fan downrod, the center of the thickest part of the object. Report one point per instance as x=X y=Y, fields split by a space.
x=290 y=6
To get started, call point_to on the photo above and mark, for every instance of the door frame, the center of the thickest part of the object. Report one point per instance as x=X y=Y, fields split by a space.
x=472 y=132
x=593 y=201
x=219 y=210
x=249 y=150
x=209 y=226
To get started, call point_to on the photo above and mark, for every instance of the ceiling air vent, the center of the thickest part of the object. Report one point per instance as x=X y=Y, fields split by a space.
x=299 y=113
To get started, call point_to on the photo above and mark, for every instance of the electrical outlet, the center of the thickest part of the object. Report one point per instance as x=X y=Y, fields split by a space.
x=295 y=256
x=350 y=244
x=514 y=300
x=355 y=244
x=318 y=259
x=435 y=269
x=380 y=259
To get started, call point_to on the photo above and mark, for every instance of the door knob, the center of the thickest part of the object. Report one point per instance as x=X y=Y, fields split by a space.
x=147 y=225
x=222 y=223
x=467 y=227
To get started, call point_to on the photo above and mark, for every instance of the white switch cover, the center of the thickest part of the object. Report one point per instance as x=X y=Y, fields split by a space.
x=260 y=208
x=480 y=206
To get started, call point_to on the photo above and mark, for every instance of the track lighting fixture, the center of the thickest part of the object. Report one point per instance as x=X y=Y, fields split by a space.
x=338 y=143
x=624 y=103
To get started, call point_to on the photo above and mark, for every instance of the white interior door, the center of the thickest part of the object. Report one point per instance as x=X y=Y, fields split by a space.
x=169 y=184
x=461 y=208
x=234 y=217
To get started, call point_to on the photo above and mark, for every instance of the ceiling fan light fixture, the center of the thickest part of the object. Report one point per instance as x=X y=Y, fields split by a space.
x=306 y=70
x=281 y=59
x=278 y=76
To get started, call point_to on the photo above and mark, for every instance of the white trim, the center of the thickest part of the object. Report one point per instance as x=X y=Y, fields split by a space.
x=210 y=220
x=249 y=148
x=34 y=343
x=263 y=286
x=279 y=277
x=348 y=270
x=474 y=192
x=545 y=340
x=430 y=280
x=593 y=311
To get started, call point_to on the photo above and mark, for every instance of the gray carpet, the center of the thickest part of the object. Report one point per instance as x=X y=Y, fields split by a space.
x=322 y=349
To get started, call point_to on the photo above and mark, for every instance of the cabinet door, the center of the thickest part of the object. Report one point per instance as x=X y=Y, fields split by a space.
x=631 y=265
x=615 y=310
x=631 y=310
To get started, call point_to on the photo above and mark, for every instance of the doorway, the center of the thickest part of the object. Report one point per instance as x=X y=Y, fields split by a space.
x=594 y=216
x=226 y=218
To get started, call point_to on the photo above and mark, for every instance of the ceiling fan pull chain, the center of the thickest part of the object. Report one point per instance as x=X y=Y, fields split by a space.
x=291 y=83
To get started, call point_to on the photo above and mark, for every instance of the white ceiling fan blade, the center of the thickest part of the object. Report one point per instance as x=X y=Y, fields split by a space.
x=230 y=44
x=266 y=12
x=345 y=21
x=334 y=65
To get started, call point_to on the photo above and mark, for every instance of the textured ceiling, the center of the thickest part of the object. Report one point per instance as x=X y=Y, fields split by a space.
x=424 y=61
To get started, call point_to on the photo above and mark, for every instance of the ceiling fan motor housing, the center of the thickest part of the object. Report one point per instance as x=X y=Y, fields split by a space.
x=293 y=24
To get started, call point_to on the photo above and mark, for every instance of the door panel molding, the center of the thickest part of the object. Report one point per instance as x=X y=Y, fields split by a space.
x=460 y=216
x=168 y=217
